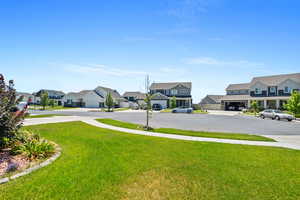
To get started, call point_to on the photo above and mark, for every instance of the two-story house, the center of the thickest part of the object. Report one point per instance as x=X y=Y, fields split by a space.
x=163 y=92
x=52 y=94
x=268 y=91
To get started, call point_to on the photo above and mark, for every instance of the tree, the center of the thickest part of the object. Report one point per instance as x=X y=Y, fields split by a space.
x=52 y=103
x=148 y=102
x=254 y=106
x=10 y=117
x=173 y=103
x=293 y=104
x=44 y=100
x=109 y=102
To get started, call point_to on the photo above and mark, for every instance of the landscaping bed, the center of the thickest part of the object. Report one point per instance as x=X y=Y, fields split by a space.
x=235 y=136
x=99 y=163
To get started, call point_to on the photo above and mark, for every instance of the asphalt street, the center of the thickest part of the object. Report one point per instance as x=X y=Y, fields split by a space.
x=201 y=122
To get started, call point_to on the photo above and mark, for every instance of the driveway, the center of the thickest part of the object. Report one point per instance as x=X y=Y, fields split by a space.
x=201 y=122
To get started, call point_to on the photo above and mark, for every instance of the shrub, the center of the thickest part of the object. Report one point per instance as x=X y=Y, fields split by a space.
x=32 y=146
x=10 y=117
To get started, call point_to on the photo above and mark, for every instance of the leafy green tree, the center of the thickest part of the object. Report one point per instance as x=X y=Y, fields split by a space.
x=254 y=107
x=44 y=100
x=173 y=103
x=52 y=103
x=10 y=117
x=293 y=104
x=109 y=102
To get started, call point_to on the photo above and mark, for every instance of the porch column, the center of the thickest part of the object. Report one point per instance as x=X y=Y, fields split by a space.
x=277 y=103
x=265 y=104
x=249 y=104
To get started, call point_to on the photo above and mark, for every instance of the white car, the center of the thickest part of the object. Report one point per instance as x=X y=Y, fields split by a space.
x=182 y=110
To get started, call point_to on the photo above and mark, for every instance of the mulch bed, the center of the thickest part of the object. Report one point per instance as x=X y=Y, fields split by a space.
x=11 y=163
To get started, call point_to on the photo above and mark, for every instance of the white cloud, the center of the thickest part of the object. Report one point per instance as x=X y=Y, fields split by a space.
x=186 y=8
x=216 y=62
x=101 y=69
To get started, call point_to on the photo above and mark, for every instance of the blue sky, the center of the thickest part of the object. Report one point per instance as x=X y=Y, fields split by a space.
x=72 y=45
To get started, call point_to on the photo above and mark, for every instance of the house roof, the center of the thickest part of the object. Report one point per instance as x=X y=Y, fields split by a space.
x=137 y=95
x=159 y=96
x=235 y=97
x=25 y=94
x=170 y=85
x=240 y=86
x=276 y=79
x=267 y=80
x=212 y=99
x=114 y=93
x=51 y=92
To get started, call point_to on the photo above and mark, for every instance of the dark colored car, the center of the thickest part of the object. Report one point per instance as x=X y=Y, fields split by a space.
x=156 y=107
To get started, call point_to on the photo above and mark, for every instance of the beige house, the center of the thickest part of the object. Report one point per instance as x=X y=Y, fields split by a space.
x=211 y=102
x=268 y=91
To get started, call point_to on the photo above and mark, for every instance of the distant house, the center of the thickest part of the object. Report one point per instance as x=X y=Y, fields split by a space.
x=93 y=98
x=85 y=98
x=211 y=102
x=135 y=97
x=27 y=97
x=118 y=99
x=52 y=94
x=163 y=92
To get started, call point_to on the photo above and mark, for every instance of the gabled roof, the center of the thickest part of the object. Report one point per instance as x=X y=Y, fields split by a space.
x=25 y=94
x=212 y=99
x=276 y=79
x=240 y=86
x=114 y=93
x=170 y=85
x=51 y=92
x=137 y=95
x=159 y=96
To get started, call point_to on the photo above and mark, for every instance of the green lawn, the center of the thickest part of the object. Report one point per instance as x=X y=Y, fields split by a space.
x=49 y=108
x=104 y=164
x=188 y=132
x=121 y=109
x=43 y=116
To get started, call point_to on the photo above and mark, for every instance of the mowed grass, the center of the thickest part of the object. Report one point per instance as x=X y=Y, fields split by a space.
x=104 y=164
x=43 y=116
x=235 y=136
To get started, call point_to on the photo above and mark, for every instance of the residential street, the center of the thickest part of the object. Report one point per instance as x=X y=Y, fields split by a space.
x=202 y=122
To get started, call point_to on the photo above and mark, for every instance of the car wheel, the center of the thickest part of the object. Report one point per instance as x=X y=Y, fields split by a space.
x=277 y=118
x=262 y=116
x=289 y=120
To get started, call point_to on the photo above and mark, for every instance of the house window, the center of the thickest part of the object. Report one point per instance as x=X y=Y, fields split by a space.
x=272 y=89
x=173 y=92
x=287 y=90
x=257 y=91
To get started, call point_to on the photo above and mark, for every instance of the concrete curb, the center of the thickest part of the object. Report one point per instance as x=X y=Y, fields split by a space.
x=32 y=169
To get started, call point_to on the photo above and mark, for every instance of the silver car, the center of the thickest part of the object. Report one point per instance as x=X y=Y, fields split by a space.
x=182 y=110
x=276 y=114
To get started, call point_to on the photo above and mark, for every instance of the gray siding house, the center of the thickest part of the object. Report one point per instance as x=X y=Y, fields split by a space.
x=163 y=92
x=268 y=91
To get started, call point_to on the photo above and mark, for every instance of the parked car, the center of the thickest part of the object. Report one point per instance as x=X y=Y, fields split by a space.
x=156 y=107
x=276 y=114
x=182 y=110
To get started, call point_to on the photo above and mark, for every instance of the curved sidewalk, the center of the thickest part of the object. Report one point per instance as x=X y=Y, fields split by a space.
x=191 y=138
x=93 y=122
